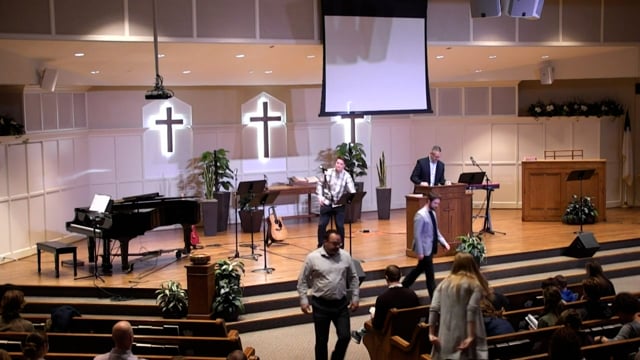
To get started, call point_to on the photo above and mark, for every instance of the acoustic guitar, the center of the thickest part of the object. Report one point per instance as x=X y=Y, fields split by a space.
x=277 y=231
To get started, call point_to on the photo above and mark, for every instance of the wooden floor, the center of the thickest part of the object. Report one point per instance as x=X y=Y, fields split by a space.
x=376 y=242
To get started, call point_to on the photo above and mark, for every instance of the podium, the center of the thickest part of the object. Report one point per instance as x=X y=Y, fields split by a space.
x=453 y=214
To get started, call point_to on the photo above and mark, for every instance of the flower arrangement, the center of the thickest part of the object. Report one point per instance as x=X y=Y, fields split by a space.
x=8 y=126
x=605 y=107
x=575 y=210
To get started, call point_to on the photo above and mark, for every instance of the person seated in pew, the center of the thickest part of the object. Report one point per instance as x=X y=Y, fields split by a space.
x=396 y=296
x=10 y=307
x=35 y=346
x=627 y=307
x=571 y=318
x=494 y=322
x=593 y=308
x=122 y=334
x=4 y=355
x=594 y=270
x=552 y=307
x=237 y=355
x=564 y=344
x=565 y=292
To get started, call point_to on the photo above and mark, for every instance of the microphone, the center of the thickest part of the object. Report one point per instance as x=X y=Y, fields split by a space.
x=473 y=161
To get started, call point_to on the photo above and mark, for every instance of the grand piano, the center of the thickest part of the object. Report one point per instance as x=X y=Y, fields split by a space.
x=130 y=217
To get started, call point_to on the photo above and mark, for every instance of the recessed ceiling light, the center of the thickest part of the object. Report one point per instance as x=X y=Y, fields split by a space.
x=439 y=57
x=268 y=71
x=240 y=56
x=544 y=56
x=311 y=56
x=78 y=54
x=160 y=56
x=251 y=71
x=492 y=56
x=95 y=72
x=186 y=72
x=478 y=70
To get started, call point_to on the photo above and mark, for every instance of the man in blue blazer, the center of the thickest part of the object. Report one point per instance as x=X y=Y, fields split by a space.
x=429 y=170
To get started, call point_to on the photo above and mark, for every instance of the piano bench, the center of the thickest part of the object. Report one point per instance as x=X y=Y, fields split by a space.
x=57 y=248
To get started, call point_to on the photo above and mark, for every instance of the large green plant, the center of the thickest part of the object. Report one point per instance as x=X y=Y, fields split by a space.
x=228 y=302
x=354 y=158
x=473 y=245
x=382 y=171
x=216 y=172
x=172 y=298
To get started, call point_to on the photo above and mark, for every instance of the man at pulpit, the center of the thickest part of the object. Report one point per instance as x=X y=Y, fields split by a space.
x=429 y=170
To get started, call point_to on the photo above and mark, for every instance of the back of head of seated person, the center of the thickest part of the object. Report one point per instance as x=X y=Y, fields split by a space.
x=564 y=344
x=4 y=355
x=11 y=305
x=594 y=270
x=627 y=308
x=594 y=308
x=237 y=355
x=571 y=318
x=35 y=346
x=552 y=307
x=122 y=335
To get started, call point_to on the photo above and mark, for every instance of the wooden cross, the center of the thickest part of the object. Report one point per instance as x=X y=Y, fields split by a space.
x=169 y=122
x=265 y=125
x=353 y=118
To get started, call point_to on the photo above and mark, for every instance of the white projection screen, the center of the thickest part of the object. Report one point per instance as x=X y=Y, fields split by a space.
x=375 y=57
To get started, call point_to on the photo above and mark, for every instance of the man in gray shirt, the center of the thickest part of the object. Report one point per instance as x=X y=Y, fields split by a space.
x=329 y=273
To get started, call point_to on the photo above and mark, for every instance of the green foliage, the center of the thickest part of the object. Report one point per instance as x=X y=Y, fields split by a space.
x=605 y=107
x=472 y=244
x=575 y=211
x=172 y=298
x=354 y=158
x=8 y=126
x=228 y=301
x=382 y=171
x=216 y=171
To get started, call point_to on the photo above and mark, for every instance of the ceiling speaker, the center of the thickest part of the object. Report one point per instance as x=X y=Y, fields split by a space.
x=49 y=79
x=546 y=73
x=485 y=8
x=528 y=9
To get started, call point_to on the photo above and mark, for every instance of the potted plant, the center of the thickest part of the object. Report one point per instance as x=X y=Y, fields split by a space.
x=172 y=299
x=383 y=193
x=228 y=301
x=580 y=212
x=356 y=165
x=472 y=244
x=216 y=175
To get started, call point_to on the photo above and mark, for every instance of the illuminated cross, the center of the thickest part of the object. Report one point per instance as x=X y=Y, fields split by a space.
x=353 y=118
x=265 y=125
x=169 y=122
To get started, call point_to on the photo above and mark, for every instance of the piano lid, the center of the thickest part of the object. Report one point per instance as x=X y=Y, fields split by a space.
x=141 y=197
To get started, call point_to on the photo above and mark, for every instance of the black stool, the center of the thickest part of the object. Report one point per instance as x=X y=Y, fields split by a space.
x=57 y=248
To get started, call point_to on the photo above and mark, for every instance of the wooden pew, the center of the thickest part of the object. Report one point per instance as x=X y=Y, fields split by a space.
x=103 y=324
x=143 y=344
x=613 y=350
x=248 y=351
x=410 y=350
x=518 y=299
x=400 y=322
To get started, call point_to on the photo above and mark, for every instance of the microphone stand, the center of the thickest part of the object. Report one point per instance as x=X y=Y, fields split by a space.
x=487 y=228
x=235 y=186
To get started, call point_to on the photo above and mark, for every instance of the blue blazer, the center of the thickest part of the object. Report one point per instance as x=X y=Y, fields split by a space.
x=422 y=172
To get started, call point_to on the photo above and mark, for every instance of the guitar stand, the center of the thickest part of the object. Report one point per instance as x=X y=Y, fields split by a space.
x=266 y=199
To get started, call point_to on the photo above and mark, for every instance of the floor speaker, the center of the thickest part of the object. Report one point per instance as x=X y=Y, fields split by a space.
x=485 y=8
x=584 y=245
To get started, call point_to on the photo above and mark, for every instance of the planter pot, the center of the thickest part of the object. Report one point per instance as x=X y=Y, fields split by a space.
x=224 y=198
x=383 y=199
x=209 y=211
x=251 y=220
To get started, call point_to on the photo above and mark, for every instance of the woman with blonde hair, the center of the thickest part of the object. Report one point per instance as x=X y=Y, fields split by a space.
x=456 y=326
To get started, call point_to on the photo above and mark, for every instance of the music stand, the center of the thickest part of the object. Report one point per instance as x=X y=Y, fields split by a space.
x=579 y=175
x=100 y=206
x=346 y=200
x=472 y=178
x=248 y=191
x=266 y=198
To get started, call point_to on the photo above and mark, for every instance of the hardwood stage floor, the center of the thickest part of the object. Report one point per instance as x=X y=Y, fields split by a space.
x=376 y=242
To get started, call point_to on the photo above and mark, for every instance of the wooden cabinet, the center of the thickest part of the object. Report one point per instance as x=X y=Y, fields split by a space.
x=546 y=191
x=454 y=214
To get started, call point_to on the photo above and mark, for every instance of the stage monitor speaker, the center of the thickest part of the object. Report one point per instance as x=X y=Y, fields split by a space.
x=49 y=79
x=528 y=9
x=485 y=8
x=584 y=245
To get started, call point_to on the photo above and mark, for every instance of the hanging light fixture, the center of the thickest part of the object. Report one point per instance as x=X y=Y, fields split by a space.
x=158 y=92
